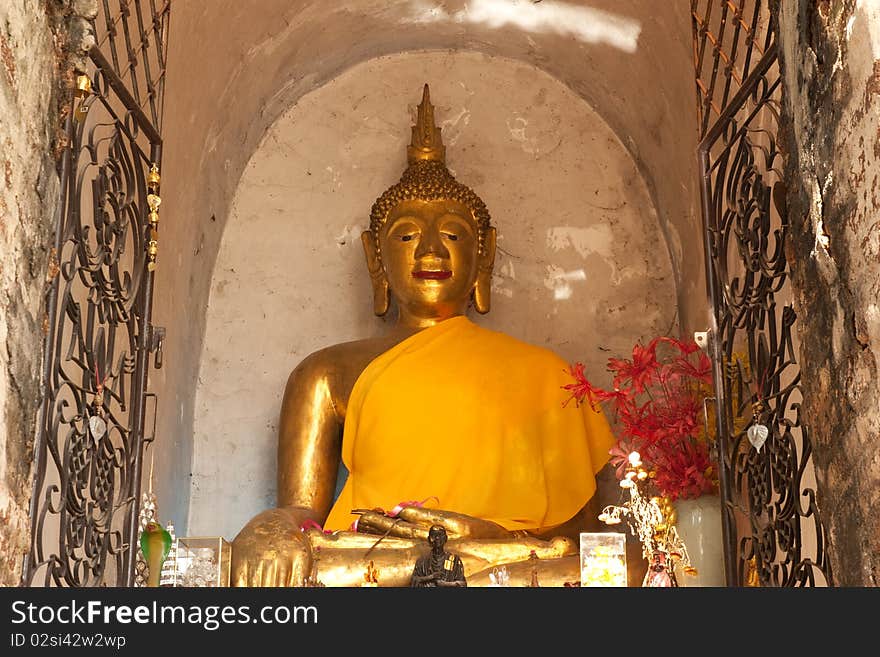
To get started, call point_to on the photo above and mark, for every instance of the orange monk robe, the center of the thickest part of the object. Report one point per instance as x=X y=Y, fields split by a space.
x=474 y=418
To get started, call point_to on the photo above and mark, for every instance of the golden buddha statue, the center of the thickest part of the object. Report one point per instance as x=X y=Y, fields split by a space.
x=437 y=413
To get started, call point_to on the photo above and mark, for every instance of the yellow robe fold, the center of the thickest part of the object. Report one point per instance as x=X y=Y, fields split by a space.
x=474 y=418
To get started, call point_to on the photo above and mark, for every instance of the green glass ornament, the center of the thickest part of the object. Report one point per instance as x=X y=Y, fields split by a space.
x=155 y=544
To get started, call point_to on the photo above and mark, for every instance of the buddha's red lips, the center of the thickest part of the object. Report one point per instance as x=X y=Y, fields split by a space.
x=432 y=275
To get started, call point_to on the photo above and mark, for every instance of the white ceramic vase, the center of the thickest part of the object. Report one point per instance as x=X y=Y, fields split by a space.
x=699 y=525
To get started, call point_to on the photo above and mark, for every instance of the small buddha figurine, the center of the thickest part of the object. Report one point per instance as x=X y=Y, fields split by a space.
x=438 y=422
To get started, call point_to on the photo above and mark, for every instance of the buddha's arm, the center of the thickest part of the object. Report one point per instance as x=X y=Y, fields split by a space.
x=271 y=550
x=309 y=440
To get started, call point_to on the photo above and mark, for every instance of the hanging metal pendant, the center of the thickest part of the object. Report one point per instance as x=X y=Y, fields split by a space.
x=97 y=427
x=97 y=423
x=757 y=434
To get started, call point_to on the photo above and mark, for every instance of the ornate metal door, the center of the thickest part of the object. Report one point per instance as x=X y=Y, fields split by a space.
x=772 y=527
x=90 y=441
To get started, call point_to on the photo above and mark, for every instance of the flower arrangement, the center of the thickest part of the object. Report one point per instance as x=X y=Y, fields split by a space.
x=657 y=400
x=652 y=520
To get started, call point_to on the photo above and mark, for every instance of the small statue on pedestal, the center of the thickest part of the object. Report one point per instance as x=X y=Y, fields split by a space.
x=439 y=568
x=533 y=559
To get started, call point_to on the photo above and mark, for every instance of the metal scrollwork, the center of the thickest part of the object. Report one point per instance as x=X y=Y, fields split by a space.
x=773 y=532
x=90 y=430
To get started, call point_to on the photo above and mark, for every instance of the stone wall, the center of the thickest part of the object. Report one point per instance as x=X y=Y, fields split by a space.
x=40 y=42
x=831 y=60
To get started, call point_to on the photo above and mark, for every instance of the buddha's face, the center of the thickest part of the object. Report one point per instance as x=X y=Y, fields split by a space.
x=430 y=257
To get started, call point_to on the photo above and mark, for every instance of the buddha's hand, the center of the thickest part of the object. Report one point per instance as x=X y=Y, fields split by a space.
x=415 y=521
x=271 y=550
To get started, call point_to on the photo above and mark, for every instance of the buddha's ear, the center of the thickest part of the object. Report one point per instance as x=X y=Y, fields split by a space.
x=378 y=278
x=483 y=286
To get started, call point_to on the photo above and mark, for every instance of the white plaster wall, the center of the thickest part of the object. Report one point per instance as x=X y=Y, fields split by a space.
x=581 y=268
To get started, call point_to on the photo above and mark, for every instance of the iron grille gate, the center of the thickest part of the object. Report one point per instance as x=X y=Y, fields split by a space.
x=773 y=534
x=90 y=432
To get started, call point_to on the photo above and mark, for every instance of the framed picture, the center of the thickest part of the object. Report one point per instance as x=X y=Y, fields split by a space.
x=603 y=559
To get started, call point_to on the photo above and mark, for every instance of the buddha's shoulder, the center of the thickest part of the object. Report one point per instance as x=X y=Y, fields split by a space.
x=341 y=358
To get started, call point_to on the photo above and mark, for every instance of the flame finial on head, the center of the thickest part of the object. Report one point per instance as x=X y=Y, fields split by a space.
x=427 y=144
x=426 y=177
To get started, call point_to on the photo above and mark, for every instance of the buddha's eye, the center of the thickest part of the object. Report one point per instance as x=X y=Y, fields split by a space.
x=451 y=236
x=407 y=238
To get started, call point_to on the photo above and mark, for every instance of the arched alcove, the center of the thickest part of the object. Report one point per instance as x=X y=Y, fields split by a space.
x=577 y=270
x=233 y=70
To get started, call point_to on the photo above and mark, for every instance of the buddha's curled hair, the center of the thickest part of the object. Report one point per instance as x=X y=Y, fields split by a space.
x=429 y=180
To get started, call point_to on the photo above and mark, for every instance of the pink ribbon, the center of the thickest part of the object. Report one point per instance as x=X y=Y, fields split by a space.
x=402 y=505
x=311 y=524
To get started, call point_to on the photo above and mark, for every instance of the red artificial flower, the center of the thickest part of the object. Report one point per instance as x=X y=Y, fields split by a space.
x=638 y=371
x=619 y=459
x=685 y=347
x=700 y=371
x=580 y=389
x=657 y=404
